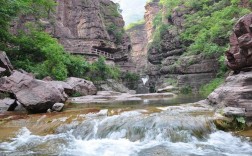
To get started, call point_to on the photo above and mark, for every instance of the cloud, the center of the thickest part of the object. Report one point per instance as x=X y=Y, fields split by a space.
x=133 y=10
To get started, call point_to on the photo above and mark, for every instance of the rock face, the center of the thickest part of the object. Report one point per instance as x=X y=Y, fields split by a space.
x=240 y=54
x=83 y=25
x=81 y=87
x=139 y=42
x=35 y=95
x=113 y=85
x=152 y=9
x=235 y=92
x=167 y=65
x=141 y=35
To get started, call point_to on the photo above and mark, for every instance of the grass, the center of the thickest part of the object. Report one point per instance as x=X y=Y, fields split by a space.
x=210 y=87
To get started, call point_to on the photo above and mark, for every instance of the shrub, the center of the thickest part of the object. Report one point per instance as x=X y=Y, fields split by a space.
x=116 y=32
x=133 y=25
x=99 y=71
x=210 y=87
x=186 y=90
x=131 y=80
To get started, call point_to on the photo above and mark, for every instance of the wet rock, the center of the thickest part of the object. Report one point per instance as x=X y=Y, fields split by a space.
x=157 y=151
x=235 y=92
x=232 y=111
x=35 y=95
x=57 y=107
x=81 y=87
x=5 y=65
x=167 y=89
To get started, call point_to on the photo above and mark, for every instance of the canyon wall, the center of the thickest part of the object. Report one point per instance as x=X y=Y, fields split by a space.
x=167 y=64
x=139 y=42
x=141 y=35
x=84 y=25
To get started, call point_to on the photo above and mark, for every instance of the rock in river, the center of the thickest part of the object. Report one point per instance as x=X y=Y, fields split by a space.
x=35 y=95
x=81 y=87
x=235 y=92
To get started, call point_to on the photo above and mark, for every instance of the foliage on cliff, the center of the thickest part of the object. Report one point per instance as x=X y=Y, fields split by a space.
x=209 y=23
x=202 y=26
x=36 y=51
x=135 y=24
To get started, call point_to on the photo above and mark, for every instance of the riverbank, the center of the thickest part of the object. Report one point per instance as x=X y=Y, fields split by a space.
x=126 y=129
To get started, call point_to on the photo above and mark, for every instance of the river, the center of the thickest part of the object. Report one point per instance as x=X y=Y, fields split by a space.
x=149 y=128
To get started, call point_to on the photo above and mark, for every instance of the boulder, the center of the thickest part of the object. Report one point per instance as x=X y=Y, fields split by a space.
x=239 y=55
x=235 y=92
x=232 y=111
x=81 y=87
x=5 y=65
x=36 y=96
x=57 y=107
x=7 y=104
x=62 y=86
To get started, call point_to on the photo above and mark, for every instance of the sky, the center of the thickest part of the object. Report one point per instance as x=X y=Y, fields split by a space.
x=133 y=10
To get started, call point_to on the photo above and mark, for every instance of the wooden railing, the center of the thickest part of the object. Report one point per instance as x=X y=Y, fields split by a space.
x=102 y=53
x=97 y=52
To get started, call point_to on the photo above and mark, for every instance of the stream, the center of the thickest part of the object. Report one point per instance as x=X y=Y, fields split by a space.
x=165 y=127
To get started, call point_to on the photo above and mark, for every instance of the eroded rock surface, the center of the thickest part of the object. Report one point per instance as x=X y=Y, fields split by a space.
x=167 y=64
x=81 y=87
x=82 y=25
x=35 y=95
x=235 y=92
x=138 y=36
x=240 y=54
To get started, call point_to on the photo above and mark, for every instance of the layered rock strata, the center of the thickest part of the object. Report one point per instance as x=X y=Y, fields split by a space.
x=141 y=35
x=152 y=9
x=239 y=55
x=91 y=28
x=167 y=64
x=237 y=90
x=139 y=42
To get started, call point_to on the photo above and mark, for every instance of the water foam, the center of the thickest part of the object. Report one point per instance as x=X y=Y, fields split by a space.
x=131 y=134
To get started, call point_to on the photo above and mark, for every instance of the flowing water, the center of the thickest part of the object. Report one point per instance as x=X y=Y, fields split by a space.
x=147 y=129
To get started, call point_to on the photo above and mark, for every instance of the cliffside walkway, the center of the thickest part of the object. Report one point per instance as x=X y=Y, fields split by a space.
x=96 y=52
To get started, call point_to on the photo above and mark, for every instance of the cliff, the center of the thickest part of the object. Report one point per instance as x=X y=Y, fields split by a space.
x=187 y=43
x=152 y=9
x=87 y=27
x=139 y=43
x=237 y=89
x=168 y=65
x=141 y=35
